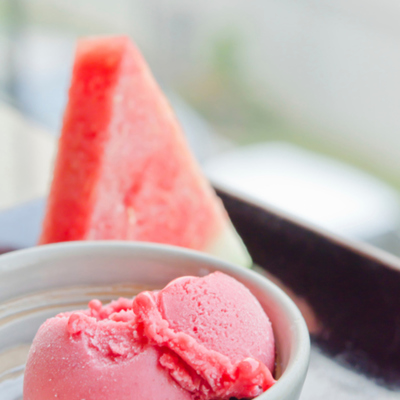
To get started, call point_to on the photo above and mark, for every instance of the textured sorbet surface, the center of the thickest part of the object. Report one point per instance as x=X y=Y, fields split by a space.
x=198 y=338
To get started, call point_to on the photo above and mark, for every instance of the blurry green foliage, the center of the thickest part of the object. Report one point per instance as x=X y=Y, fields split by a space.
x=224 y=98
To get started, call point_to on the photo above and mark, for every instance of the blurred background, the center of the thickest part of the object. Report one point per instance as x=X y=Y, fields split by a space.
x=316 y=81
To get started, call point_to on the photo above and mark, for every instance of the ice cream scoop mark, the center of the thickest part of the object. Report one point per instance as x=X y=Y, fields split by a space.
x=77 y=322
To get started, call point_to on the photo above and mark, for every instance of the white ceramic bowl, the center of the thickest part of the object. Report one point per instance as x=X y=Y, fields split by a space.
x=38 y=283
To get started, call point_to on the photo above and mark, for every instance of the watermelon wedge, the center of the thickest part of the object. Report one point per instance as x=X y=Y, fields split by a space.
x=123 y=169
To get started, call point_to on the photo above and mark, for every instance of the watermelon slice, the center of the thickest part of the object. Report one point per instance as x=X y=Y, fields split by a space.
x=123 y=169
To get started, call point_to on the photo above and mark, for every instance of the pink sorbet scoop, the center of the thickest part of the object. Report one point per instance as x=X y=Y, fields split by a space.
x=198 y=338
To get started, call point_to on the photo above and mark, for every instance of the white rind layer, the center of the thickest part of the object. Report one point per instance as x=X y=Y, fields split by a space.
x=229 y=246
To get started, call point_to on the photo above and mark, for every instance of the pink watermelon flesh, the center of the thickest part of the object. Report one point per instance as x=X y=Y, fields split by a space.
x=123 y=169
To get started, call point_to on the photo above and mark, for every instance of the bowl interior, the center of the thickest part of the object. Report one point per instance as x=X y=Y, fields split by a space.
x=38 y=283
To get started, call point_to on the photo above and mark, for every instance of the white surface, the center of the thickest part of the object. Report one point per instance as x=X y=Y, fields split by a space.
x=317 y=189
x=26 y=157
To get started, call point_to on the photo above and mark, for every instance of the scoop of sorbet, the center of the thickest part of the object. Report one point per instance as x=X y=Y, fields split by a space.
x=198 y=338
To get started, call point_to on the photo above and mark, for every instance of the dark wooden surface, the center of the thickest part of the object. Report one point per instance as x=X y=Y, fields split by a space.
x=354 y=294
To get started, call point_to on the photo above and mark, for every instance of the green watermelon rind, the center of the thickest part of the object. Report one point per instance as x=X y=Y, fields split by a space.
x=230 y=247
